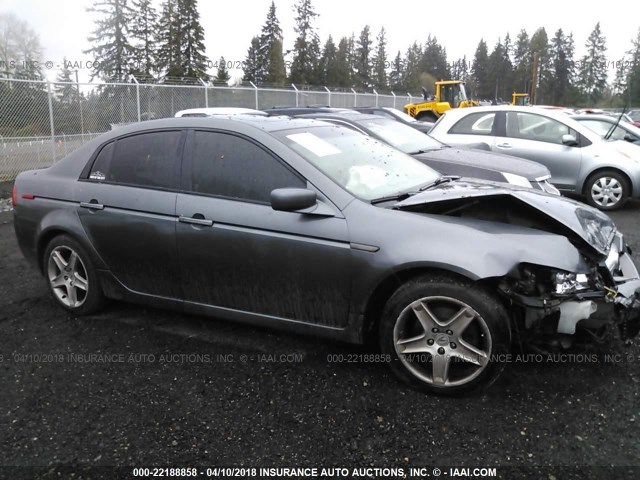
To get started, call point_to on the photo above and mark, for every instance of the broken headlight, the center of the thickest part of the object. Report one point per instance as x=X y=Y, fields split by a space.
x=534 y=280
x=598 y=227
x=568 y=283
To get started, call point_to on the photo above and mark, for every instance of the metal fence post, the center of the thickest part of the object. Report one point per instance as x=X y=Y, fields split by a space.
x=376 y=93
x=410 y=97
x=355 y=98
x=206 y=93
x=294 y=87
x=137 y=94
x=394 y=99
x=328 y=96
x=80 y=104
x=256 y=90
x=53 y=132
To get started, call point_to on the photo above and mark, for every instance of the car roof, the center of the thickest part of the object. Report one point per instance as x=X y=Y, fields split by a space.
x=551 y=113
x=247 y=124
x=591 y=116
x=218 y=111
x=347 y=115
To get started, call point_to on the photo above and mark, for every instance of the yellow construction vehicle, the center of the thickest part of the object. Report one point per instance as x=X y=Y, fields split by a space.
x=520 y=99
x=449 y=94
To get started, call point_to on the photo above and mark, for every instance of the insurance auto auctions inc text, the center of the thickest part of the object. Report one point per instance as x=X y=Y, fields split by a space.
x=356 y=472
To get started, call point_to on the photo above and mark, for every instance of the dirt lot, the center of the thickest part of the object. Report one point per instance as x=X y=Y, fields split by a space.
x=167 y=389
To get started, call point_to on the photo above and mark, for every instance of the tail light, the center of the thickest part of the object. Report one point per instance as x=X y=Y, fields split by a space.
x=14 y=196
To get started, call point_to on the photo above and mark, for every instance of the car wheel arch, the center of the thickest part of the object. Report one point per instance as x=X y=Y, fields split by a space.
x=610 y=168
x=48 y=234
x=386 y=287
x=604 y=168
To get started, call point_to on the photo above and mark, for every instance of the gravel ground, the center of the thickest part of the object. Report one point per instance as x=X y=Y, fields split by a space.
x=171 y=389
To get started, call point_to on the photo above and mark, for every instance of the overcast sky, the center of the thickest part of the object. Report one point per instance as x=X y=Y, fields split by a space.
x=64 y=25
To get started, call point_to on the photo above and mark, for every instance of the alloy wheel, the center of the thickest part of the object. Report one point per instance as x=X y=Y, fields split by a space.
x=68 y=276
x=442 y=341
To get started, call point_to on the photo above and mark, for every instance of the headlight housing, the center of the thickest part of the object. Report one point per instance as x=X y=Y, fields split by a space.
x=599 y=228
x=536 y=280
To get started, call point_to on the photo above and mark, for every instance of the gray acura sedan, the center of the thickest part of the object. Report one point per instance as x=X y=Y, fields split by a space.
x=315 y=228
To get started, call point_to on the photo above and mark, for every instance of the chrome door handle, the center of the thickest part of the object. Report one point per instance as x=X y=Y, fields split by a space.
x=504 y=145
x=203 y=222
x=92 y=205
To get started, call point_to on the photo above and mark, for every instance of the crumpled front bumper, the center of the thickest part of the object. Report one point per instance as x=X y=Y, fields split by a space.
x=612 y=301
x=627 y=288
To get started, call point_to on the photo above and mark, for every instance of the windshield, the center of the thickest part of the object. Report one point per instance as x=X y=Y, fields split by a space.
x=463 y=92
x=361 y=165
x=602 y=127
x=400 y=136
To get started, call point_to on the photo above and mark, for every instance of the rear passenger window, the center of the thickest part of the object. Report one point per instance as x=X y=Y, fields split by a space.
x=101 y=163
x=230 y=166
x=148 y=160
x=474 y=124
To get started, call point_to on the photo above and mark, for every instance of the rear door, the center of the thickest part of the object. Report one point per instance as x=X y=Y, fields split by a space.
x=128 y=209
x=236 y=252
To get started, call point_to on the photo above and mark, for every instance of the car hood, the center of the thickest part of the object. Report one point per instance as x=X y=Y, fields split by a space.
x=498 y=162
x=580 y=222
x=621 y=149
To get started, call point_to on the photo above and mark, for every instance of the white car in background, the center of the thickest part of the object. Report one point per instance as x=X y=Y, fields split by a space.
x=606 y=172
x=209 y=111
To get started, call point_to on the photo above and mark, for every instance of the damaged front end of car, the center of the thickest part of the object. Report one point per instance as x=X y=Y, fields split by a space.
x=554 y=307
x=553 y=301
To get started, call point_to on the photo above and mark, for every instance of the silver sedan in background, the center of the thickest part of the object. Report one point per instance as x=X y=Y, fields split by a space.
x=606 y=172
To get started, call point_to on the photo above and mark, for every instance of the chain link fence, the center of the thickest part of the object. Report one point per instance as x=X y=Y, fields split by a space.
x=41 y=121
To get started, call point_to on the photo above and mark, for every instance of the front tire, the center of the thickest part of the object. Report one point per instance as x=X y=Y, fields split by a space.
x=71 y=276
x=445 y=335
x=607 y=190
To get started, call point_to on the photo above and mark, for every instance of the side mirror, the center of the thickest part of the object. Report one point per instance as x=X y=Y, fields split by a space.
x=569 y=140
x=292 y=199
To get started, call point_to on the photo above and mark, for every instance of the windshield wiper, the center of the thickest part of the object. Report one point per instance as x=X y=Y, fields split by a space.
x=423 y=150
x=615 y=125
x=404 y=195
x=398 y=198
x=439 y=181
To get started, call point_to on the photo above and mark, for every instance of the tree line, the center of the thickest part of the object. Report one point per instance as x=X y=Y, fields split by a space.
x=363 y=62
x=132 y=37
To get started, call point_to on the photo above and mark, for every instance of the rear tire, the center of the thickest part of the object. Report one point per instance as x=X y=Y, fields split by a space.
x=71 y=276
x=445 y=335
x=607 y=190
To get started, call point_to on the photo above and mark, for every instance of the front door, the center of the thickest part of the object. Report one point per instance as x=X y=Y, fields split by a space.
x=539 y=138
x=236 y=252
